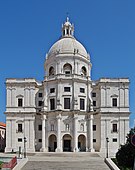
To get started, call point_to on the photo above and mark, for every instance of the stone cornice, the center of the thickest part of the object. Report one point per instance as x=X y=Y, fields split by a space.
x=114 y=113
x=16 y=112
x=63 y=77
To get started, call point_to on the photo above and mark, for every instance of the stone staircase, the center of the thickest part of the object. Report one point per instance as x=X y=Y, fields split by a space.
x=65 y=161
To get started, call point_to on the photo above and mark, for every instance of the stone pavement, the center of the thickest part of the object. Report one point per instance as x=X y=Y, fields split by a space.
x=65 y=161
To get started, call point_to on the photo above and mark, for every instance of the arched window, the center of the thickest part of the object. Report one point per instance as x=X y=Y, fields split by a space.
x=52 y=127
x=114 y=126
x=63 y=32
x=82 y=127
x=51 y=71
x=84 y=71
x=67 y=69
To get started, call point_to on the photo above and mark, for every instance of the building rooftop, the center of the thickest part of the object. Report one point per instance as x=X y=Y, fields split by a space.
x=2 y=124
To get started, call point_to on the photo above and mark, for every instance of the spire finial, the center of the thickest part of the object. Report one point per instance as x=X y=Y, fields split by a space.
x=67 y=19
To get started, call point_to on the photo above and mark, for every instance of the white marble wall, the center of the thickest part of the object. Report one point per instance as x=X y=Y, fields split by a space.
x=12 y=134
x=104 y=113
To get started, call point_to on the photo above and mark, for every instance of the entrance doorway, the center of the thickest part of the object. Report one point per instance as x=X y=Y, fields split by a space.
x=52 y=143
x=67 y=146
x=82 y=143
x=67 y=143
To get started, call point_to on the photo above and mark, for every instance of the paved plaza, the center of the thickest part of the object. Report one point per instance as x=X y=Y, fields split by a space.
x=65 y=161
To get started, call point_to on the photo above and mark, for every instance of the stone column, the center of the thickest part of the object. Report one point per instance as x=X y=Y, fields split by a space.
x=126 y=97
x=58 y=149
x=90 y=133
x=58 y=68
x=78 y=68
x=45 y=96
x=32 y=97
x=13 y=99
x=103 y=135
x=8 y=136
x=8 y=97
x=26 y=97
x=58 y=102
x=32 y=135
x=75 y=133
x=76 y=65
x=43 y=149
x=13 y=133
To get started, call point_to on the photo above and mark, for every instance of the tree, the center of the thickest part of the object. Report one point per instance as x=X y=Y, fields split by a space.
x=126 y=154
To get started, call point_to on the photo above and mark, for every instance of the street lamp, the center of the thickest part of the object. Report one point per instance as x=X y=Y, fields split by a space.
x=107 y=141
x=25 y=147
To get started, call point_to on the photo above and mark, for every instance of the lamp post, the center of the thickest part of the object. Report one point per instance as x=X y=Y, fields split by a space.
x=107 y=149
x=25 y=147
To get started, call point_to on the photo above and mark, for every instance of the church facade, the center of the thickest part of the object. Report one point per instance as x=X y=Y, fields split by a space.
x=67 y=111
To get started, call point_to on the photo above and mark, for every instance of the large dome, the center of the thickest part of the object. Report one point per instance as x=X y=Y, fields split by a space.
x=67 y=45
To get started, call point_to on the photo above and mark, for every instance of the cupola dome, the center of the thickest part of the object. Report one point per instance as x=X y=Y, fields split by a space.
x=67 y=43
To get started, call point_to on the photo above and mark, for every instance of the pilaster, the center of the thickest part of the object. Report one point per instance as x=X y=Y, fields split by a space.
x=75 y=133
x=59 y=149
x=43 y=149
x=90 y=133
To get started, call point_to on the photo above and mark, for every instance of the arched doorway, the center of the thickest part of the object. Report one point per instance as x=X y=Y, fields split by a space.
x=67 y=145
x=82 y=143
x=52 y=143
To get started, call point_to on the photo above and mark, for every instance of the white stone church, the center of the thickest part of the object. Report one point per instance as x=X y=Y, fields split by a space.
x=67 y=111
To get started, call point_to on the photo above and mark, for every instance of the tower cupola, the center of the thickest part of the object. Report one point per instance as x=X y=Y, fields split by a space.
x=67 y=29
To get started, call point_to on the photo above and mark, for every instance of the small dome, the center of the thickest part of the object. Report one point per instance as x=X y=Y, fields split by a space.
x=67 y=45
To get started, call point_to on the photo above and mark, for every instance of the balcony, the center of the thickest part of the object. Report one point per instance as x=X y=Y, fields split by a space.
x=66 y=76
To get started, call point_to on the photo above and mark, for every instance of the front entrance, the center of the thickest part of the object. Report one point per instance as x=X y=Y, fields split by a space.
x=52 y=143
x=67 y=143
x=79 y=144
x=55 y=145
x=67 y=146
x=82 y=143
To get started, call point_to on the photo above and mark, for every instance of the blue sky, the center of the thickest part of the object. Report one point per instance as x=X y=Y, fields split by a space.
x=28 y=28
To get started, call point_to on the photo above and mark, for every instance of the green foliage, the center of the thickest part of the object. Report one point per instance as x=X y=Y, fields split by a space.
x=1 y=164
x=115 y=161
x=120 y=167
x=126 y=153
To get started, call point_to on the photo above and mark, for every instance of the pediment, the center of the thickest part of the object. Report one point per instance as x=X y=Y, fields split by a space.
x=114 y=121
x=114 y=95
x=19 y=121
x=21 y=96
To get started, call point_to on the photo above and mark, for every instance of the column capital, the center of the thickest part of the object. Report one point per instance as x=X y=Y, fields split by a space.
x=90 y=117
x=43 y=117
x=58 y=116
x=75 y=116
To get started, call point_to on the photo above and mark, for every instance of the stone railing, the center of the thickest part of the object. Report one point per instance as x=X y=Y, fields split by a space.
x=68 y=76
x=111 y=164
